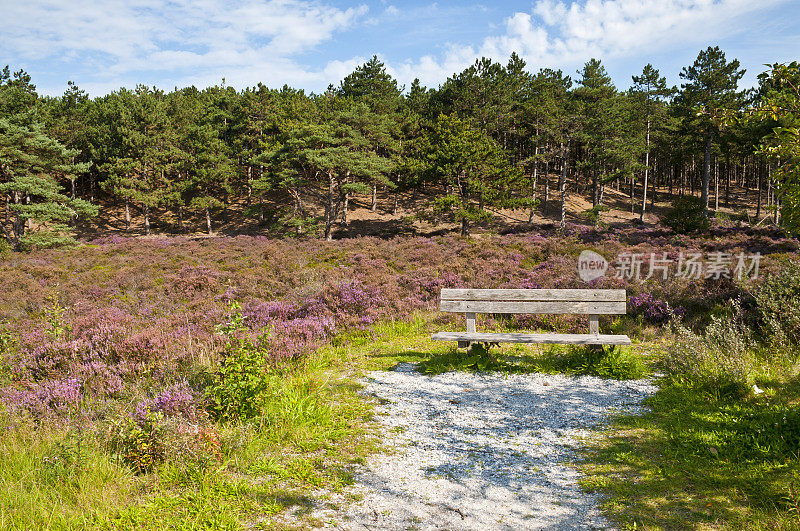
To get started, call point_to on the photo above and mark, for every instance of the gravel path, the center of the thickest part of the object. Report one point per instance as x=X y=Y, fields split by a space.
x=487 y=451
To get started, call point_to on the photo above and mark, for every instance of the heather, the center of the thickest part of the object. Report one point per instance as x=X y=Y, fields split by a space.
x=169 y=364
x=112 y=324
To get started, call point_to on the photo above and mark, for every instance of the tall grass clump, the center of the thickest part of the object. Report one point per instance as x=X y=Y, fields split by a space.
x=778 y=303
x=750 y=341
x=721 y=360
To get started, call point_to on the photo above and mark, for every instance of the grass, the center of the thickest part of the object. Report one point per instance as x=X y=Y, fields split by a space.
x=611 y=362
x=701 y=461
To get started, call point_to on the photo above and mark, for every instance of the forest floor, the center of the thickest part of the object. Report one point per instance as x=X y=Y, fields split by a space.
x=409 y=220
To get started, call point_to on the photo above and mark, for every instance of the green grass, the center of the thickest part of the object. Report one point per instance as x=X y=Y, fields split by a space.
x=609 y=362
x=696 y=461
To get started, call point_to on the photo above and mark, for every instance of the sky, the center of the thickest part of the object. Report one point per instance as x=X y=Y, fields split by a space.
x=103 y=45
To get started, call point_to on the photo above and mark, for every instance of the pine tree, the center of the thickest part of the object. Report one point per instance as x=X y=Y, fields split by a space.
x=30 y=163
x=779 y=107
x=710 y=92
x=139 y=171
x=596 y=99
x=339 y=150
x=473 y=166
x=374 y=86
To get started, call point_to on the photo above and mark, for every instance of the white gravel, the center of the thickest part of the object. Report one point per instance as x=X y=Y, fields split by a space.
x=485 y=451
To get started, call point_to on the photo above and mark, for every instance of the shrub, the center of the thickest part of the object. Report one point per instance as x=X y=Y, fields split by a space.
x=778 y=301
x=721 y=361
x=189 y=446
x=654 y=310
x=178 y=400
x=140 y=445
x=592 y=215
x=239 y=383
x=688 y=214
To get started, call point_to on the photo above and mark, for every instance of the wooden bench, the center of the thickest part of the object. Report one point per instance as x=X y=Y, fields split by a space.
x=591 y=302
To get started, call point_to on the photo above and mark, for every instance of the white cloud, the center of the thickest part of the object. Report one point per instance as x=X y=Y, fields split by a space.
x=112 y=43
x=189 y=39
x=555 y=33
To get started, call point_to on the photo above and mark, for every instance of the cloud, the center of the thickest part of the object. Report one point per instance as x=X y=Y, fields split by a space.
x=116 y=40
x=556 y=33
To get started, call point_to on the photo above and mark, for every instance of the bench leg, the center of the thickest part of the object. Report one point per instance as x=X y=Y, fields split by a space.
x=470 y=328
x=594 y=324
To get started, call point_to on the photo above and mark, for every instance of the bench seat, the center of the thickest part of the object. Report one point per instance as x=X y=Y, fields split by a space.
x=559 y=339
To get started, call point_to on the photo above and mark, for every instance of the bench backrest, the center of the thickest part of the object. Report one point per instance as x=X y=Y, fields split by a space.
x=561 y=301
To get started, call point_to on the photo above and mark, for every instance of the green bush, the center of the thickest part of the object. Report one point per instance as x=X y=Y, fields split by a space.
x=592 y=215
x=240 y=383
x=688 y=214
x=778 y=302
x=141 y=446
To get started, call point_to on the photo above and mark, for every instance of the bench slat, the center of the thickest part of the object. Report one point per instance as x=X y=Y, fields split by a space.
x=561 y=339
x=576 y=295
x=564 y=307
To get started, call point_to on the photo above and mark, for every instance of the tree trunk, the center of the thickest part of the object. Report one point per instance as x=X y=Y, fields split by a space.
x=127 y=215
x=716 y=184
x=146 y=213
x=706 y=170
x=208 y=220
x=374 y=204
x=180 y=218
x=249 y=183
x=562 y=185
x=654 y=180
x=728 y=183
x=646 y=172
x=329 y=209
x=758 y=201
x=632 y=191
x=533 y=191
x=396 y=201
x=546 y=185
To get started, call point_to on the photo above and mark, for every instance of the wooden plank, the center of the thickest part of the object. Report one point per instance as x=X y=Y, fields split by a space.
x=470 y=322
x=594 y=324
x=564 y=307
x=559 y=339
x=578 y=295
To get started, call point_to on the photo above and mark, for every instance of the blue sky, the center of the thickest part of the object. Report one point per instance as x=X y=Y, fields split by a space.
x=103 y=45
